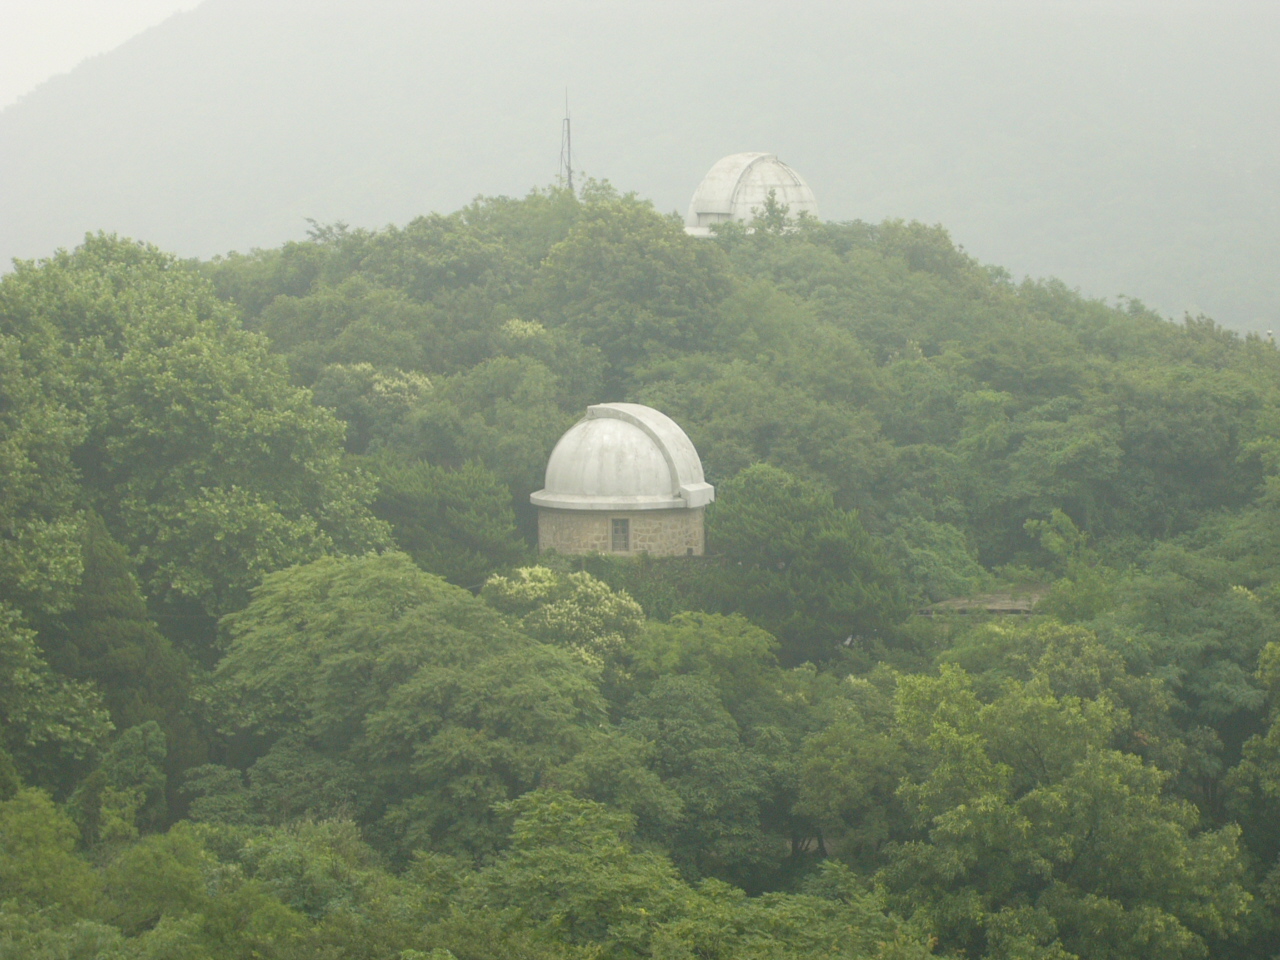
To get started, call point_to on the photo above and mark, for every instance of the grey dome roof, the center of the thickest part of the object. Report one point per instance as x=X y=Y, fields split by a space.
x=624 y=456
x=738 y=186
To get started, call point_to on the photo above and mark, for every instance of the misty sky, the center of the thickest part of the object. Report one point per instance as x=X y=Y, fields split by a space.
x=41 y=38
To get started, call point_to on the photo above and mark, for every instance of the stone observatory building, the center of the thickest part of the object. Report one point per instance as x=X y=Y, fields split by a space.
x=738 y=186
x=624 y=479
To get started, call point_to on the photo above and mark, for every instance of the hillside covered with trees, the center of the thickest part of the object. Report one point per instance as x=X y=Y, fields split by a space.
x=282 y=675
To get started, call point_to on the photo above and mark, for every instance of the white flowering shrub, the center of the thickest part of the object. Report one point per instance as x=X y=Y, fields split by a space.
x=573 y=610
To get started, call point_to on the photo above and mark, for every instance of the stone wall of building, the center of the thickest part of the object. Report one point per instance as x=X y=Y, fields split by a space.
x=659 y=533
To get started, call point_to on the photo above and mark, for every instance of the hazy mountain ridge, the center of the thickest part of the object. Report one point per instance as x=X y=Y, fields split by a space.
x=1125 y=150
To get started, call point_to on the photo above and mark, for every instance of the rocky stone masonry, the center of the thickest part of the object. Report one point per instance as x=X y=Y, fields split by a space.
x=659 y=533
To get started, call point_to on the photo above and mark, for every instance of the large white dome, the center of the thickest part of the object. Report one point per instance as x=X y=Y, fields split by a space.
x=624 y=456
x=737 y=188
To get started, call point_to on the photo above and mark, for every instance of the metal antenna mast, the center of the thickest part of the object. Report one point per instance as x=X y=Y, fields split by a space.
x=566 y=146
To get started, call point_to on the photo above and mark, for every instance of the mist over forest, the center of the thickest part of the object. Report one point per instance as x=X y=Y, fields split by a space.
x=285 y=674
x=974 y=653
x=1126 y=148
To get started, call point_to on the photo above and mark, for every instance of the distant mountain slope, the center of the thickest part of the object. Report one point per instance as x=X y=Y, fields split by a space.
x=1126 y=147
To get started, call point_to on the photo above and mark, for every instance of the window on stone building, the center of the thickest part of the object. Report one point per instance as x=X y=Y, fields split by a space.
x=621 y=536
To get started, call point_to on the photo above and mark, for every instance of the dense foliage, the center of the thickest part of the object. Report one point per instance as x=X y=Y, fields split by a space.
x=280 y=673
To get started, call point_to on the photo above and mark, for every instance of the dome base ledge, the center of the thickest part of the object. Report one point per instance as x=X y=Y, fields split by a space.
x=561 y=501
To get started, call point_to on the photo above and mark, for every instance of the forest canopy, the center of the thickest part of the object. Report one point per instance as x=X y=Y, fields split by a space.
x=282 y=673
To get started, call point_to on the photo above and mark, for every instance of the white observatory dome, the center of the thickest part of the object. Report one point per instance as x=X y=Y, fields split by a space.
x=738 y=186
x=624 y=456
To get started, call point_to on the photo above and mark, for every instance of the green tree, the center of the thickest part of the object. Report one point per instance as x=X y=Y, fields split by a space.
x=471 y=735
x=631 y=282
x=434 y=255
x=722 y=783
x=108 y=639
x=1204 y=629
x=46 y=721
x=571 y=874
x=441 y=707
x=504 y=412
x=1088 y=587
x=798 y=565
x=770 y=710
x=457 y=524
x=937 y=559
x=205 y=462
x=850 y=770
x=32 y=935
x=39 y=526
x=574 y=874
x=833 y=915
x=1034 y=834
x=126 y=793
x=38 y=861
x=792 y=413
x=1077 y=662
x=372 y=401
x=1253 y=785
x=353 y=323
x=574 y=610
x=773 y=217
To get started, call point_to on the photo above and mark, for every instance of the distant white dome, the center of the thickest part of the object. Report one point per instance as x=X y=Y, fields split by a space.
x=738 y=186
x=624 y=456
